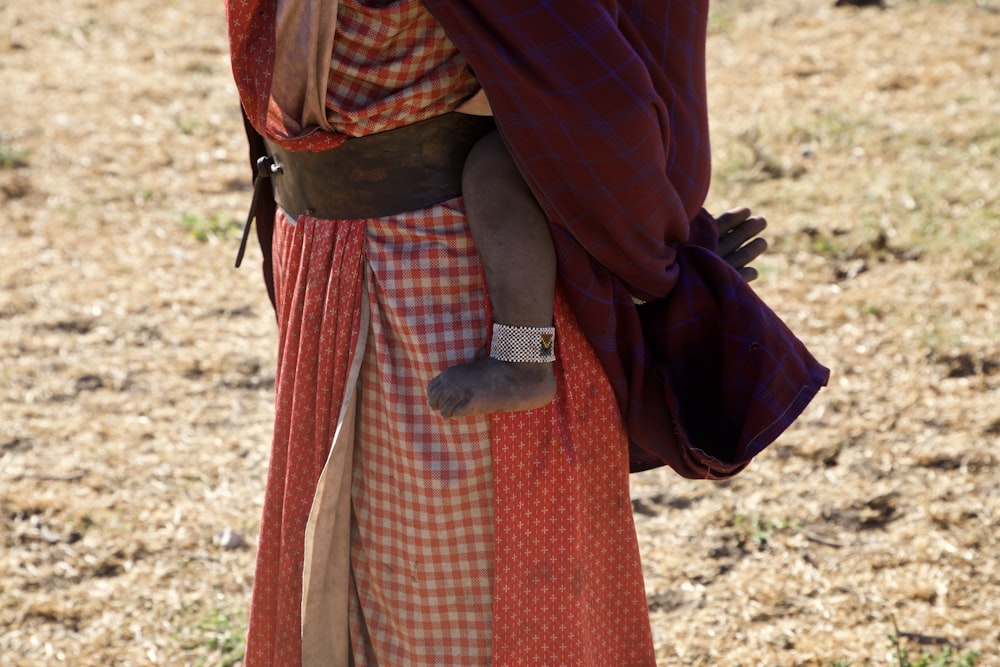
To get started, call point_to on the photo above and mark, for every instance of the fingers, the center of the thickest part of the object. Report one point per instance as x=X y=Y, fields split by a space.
x=742 y=257
x=739 y=243
x=739 y=230
x=731 y=219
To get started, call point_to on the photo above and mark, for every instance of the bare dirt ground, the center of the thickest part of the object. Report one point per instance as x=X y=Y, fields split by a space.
x=135 y=393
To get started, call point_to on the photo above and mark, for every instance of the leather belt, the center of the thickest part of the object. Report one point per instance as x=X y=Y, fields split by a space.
x=385 y=173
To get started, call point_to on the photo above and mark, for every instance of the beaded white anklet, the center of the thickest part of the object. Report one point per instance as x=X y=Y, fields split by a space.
x=523 y=344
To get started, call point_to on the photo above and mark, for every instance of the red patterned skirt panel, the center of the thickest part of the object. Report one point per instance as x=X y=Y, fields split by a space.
x=503 y=540
x=318 y=269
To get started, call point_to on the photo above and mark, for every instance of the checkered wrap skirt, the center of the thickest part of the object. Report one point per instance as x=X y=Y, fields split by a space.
x=405 y=539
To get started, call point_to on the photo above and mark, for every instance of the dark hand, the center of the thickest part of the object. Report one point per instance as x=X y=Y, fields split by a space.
x=738 y=241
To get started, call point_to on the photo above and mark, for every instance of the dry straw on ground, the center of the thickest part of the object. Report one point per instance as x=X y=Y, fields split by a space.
x=137 y=365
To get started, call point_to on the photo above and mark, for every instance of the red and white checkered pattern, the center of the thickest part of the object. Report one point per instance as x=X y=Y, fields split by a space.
x=422 y=548
x=392 y=65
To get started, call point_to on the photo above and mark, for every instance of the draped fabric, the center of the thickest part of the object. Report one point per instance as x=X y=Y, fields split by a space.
x=392 y=64
x=479 y=541
x=319 y=325
x=311 y=73
x=568 y=583
x=253 y=47
x=602 y=104
x=484 y=540
x=470 y=542
x=603 y=107
x=422 y=486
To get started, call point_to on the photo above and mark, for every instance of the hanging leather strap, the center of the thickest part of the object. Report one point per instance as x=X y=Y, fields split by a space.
x=262 y=209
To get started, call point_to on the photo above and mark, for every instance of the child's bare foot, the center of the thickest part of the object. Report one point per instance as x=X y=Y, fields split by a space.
x=489 y=385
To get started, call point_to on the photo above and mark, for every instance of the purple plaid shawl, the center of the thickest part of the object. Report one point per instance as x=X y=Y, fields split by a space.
x=603 y=106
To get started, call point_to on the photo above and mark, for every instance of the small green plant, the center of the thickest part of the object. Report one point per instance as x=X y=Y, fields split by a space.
x=721 y=18
x=214 y=226
x=221 y=637
x=758 y=529
x=11 y=157
x=948 y=657
x=187 y=125
x=224 y=637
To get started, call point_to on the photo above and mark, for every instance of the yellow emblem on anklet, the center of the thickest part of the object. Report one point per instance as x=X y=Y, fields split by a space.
x=545 y=350
x=519 y=344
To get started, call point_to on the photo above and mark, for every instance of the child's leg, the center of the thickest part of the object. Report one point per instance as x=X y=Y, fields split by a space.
x=518 y=258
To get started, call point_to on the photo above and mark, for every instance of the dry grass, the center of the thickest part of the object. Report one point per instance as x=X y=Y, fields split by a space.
x=137 y=365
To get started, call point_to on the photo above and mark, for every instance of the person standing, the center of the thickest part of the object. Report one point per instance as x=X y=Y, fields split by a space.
x=391 y=535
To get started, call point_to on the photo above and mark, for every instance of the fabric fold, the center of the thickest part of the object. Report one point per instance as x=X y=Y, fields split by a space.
x=304 y=37
x=602 y=105
x=327 y=574
x=320 y=325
